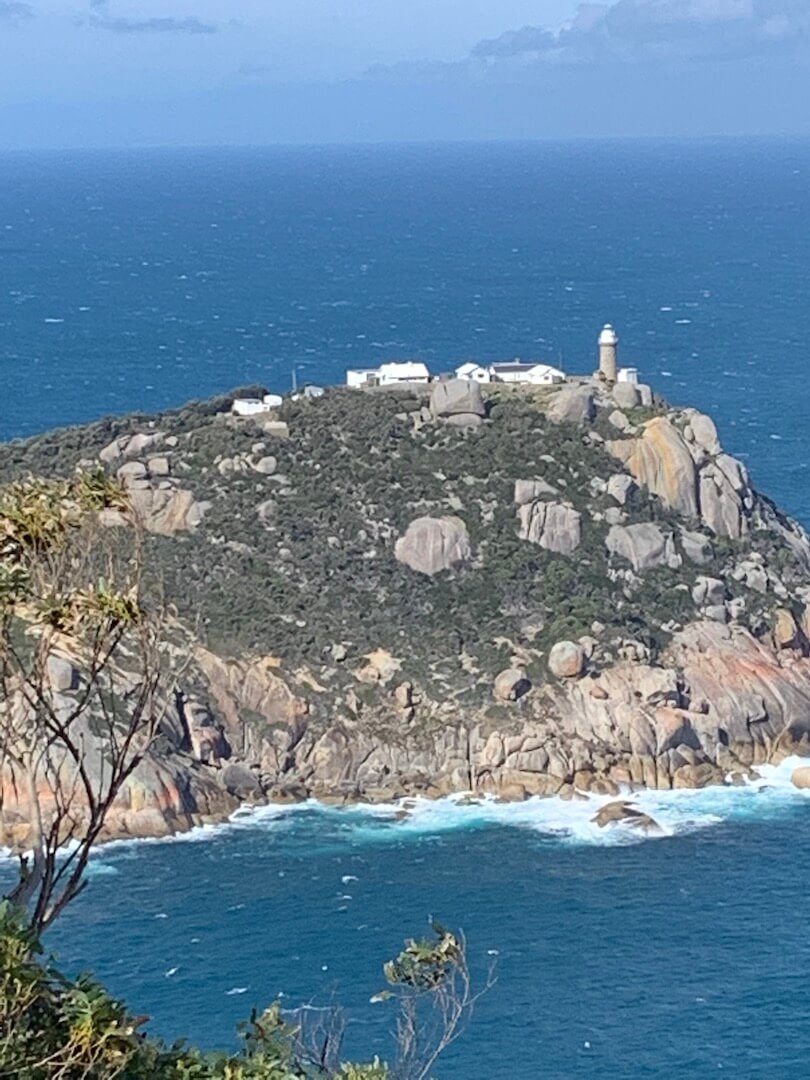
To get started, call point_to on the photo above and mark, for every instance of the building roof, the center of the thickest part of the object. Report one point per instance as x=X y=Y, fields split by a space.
x=470 y=365
x=524 y=366
x=405 y=369
x=513 y=366
x=547 y=367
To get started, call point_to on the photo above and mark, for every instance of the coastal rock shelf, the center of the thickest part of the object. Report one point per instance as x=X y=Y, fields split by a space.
x=511 y=590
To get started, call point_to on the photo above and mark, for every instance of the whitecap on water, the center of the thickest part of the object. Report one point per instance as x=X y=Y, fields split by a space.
x=770 y=795
x=96 y=869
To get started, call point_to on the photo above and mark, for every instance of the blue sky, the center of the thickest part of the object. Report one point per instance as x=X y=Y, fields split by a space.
x=141 y=72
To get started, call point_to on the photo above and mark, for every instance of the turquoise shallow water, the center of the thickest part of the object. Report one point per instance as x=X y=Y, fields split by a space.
x=680 y=956
x=142 y=280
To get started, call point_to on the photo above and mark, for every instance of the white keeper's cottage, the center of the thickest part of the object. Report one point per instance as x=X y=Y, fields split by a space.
x=398 y=373
x=513 y=371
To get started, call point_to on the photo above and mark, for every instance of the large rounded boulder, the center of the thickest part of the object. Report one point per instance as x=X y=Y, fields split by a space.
x=567 y=660
x=511 y=685
x=430 y=545
x=458 y=401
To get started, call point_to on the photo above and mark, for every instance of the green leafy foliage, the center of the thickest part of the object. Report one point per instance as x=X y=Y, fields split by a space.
x=52 y=1027
x=426 y=963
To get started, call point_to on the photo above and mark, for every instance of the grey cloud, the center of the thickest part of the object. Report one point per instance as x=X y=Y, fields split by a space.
x=101 y=18
x=643 y=30
x=516 y=42
x=14 y=12
x=166 y=25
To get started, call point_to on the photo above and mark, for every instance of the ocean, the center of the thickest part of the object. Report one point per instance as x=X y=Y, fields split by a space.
x=140 y=280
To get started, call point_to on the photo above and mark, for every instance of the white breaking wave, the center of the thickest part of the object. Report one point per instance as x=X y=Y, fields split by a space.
x=770 y=796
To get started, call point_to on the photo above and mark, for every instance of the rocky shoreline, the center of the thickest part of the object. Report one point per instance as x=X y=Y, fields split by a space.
x=551 y=593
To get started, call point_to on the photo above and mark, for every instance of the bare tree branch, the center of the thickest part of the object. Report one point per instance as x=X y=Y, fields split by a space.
x=72 y=597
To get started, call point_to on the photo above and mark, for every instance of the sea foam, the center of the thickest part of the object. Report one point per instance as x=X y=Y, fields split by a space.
x=768 y=796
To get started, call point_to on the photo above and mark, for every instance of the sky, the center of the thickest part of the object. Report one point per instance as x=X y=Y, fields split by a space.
x=89 y=73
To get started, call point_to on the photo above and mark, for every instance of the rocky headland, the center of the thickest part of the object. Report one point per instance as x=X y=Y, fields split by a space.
x=452 y=588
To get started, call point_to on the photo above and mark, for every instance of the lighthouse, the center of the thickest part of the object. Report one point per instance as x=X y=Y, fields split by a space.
x=608 y=344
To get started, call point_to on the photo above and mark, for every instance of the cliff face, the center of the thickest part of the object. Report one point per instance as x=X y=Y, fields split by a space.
x=552 y=590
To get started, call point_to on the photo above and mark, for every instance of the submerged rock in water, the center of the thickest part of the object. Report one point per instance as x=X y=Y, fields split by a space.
x=624 y=812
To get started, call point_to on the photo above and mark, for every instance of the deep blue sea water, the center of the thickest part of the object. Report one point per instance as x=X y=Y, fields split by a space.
x=143 y=279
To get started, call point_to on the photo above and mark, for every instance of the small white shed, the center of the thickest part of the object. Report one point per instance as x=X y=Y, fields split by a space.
x=358 y=377
x=256 y=406
x=473 y=371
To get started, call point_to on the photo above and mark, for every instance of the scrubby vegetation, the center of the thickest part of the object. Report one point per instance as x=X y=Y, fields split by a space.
x=293 y=562
x=56 y=1028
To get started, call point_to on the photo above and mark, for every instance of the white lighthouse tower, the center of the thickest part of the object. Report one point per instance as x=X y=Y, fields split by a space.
x=608 y=346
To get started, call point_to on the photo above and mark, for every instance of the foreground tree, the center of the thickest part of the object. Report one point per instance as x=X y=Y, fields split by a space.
x=432 y=985
x=53 y=1027
x=84 y=676
x=87 y=668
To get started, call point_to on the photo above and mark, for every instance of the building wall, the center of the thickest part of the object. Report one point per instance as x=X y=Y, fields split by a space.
x=402 y=380
x=367 y=377
x=545 y=378
x=249 y=407
x=511 y=376
x=477 y=374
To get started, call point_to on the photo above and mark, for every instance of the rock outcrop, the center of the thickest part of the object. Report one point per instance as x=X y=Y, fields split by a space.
x=163 y=506
x=659 y=459
x=395 y=607
x=685 y=468
x=553 y=525
x=626 y=395
x=459 y=402
x=620 y=487
x=566 y=660
x=643 y=545
x=723 y=497
x=572 y=405
x=614 y=813
x=527 y=491
x=430 y=545
x=511 y=685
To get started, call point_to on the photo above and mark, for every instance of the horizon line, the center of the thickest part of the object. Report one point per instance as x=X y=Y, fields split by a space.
x=559 y=140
